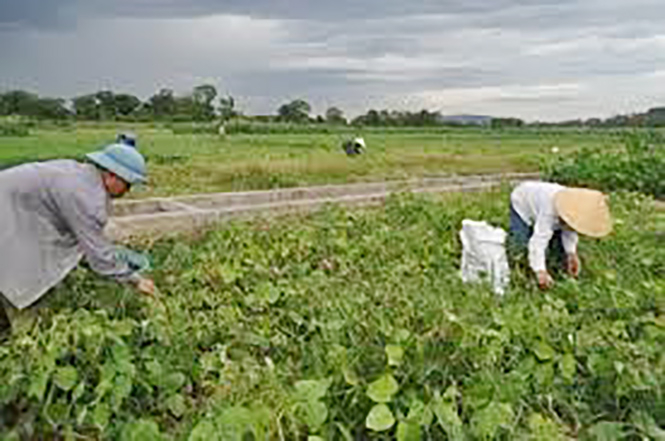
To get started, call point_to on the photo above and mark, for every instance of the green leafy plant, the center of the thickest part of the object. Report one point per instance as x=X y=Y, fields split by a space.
x=349 y=325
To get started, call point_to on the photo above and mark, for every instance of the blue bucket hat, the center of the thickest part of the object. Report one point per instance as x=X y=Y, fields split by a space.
x=124 y=161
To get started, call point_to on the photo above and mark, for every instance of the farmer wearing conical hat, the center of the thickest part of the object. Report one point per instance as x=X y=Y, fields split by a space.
x=548 y=217
x=52 y=214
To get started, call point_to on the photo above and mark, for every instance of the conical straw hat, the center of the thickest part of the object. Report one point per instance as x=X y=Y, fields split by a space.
x=584 y=210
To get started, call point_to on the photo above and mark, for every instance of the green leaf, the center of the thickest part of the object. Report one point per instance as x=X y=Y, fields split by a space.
x=607 y=431
x=65 y=377
x=204 y=431
x=544 y=374
x=344 y=431
x=419 y=414
x=228 y=273
x=121 y=390
x=316 y=414
x=38 y=384
x=101 y=415
x=445 y=410
x=269 y=293
x=141 y=430
x=106 y=377
x=234 y=423
x=568 y=366
x=487 y=422
x=383 y=389
x=58 y=411
x=647 y=426
x=543 y=428
x=69 y=433
x=351 y=377
x=122 y=356
x=12 y=436
x=174 y=381
x=543 y=351
x=315 y=438
x=312 y=390
x=176 y=404
x=395 y=355
x=82 y=415
x=79 y=391
x=407 y=431
x=380 y=418
x=155 y=370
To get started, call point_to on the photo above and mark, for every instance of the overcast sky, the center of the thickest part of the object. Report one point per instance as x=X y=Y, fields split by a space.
x=534 y=59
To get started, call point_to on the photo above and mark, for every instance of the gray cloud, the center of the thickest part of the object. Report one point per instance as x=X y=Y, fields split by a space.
x=535 y=59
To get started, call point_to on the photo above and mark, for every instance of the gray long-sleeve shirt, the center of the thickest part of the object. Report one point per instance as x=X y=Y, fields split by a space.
x=51 y=214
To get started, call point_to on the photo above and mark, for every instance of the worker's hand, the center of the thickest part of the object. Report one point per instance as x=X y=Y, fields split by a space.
x=573 y=264
x=146 y=286
x=544 y=280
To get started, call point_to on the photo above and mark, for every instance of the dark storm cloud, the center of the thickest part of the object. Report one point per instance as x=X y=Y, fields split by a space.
x=48 y=12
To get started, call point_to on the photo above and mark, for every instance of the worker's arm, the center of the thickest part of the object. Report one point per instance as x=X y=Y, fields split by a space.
x=569 y=240
x=86 y=218
x=538 y=243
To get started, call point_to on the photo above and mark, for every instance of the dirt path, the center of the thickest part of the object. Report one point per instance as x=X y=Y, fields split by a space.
x=189 y=214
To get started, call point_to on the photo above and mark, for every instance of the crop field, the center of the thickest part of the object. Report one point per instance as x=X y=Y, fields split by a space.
x=353 y=324
x=195 y=163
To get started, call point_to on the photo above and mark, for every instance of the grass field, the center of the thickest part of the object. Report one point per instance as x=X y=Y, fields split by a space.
x=208 y=163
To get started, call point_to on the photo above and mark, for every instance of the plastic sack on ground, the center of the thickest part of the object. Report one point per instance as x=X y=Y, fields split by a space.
x=136 y=261
x=484 y=254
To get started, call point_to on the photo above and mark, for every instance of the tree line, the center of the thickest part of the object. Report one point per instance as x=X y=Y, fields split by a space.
x=201 y=104
x=205 y=104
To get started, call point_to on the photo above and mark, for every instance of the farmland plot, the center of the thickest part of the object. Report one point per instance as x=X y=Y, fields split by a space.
x=202 y=163
x=351 y=325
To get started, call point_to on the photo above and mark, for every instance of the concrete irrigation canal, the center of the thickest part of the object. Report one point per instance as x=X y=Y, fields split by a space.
x=158 y=217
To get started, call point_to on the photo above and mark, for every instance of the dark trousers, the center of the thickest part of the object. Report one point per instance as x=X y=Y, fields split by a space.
x=5 y=323
x=518 y=241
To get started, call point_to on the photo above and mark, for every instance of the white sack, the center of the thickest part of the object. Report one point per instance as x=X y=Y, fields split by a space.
x=484 y=254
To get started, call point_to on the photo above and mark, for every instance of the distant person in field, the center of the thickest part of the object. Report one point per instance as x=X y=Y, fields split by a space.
x=354 y=147
x=127 y=138
x=545 y=218
x=54 y=213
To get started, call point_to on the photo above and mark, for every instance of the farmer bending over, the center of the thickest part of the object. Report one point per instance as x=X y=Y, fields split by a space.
x=53 y=213
x=547 y=217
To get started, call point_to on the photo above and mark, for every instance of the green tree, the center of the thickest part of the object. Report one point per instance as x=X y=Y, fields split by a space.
x=20 y=102
x=106 y=101
x=4 y=105
x=163 y=104
x=656 y=117
x=335 y=116
x=227 y=108
x=126 y=104
x=185 y=108
x=51 y=108
x=203 y=98
x=513 y=122
x=86 y=107
x=296 y=111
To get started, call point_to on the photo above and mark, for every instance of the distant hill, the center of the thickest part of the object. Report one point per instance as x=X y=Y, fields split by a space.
x=466 y=119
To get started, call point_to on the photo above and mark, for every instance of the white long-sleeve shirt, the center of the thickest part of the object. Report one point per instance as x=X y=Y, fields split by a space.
x=534 y=203
x=51 y=214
